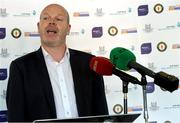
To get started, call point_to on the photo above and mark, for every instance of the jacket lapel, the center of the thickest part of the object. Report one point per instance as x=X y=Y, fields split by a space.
x=45 y=81
x=79 y=93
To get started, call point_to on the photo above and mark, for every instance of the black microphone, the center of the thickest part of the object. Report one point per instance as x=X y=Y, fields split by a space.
x=125 y=60
x=103 y=66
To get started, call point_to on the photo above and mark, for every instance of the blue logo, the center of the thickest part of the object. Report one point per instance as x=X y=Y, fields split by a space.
x=3 y=74
x=146 y=48
x=97 y=32
x=2 y=33
x=143 y=10
x=150 y=87
x=3 y=116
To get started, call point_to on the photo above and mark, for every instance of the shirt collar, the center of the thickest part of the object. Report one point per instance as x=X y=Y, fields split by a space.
x=48 y=56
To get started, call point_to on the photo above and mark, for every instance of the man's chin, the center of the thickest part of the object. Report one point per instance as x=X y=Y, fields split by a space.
x=51 y=43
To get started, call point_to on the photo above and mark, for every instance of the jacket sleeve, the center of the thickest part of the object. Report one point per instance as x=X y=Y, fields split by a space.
x=99 y=97
x=15 y=94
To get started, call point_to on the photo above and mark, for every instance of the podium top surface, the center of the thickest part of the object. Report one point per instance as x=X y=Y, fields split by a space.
x=101 y=118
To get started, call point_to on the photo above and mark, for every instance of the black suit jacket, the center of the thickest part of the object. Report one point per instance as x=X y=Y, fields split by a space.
x=30 y=95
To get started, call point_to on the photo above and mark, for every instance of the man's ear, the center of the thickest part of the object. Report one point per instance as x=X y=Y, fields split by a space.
x=38 y=26
x=69 y=29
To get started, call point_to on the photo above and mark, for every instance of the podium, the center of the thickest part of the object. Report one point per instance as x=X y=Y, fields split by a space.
x=125 y=118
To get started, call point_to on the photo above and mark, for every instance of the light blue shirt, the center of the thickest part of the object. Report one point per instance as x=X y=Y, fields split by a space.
x=60 y=74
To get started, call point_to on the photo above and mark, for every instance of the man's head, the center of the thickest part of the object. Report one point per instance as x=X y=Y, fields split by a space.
x=53 y=25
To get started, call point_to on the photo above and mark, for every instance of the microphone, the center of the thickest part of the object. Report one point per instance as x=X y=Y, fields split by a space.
x=103 y=66
x=125 y=60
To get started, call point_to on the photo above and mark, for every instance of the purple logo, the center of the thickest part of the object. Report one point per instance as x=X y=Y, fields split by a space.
x=150 y=87
x=3 y=116
x=97 y=32
x=143 y=10
x=2 y=33
x=146 y=48
x=3 y=74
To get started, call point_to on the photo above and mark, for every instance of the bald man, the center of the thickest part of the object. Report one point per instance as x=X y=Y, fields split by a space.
x=54 y=81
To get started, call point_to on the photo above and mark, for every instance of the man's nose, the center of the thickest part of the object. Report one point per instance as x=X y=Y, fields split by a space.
x=52 y=21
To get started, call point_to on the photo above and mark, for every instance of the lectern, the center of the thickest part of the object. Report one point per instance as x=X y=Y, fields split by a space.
x=126 y=118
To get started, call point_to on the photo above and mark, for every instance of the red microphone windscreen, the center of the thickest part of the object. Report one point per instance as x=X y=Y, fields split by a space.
x=101 y=65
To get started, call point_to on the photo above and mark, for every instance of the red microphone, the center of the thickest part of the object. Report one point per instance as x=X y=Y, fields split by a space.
x=103 y=66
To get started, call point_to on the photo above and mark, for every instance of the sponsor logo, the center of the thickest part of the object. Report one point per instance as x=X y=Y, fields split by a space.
x=118 y=108
x=2 y=33
x=158 y=8
x=99 y=12
x=146 y=48
x=152 y=121
x=150 y=87
x=175 y=46
x=176 y=106
x=34 y=12
x=170 y=67
x=132 y=47
x=3 y=12
x=154 y=106
x=81 y=14
x=16 y=33
x=4 y=52
x=173 y=8
x=3 y=95
x=143 y=10
x=97 y=32
x=170 y=27
x=151 y=66
x=178 y=24
x=82 y=31
x=74 y=33
x=161 y=46
x=112 y=30
x=135 y=108
x=3 y=116
x=26 y=14
x=148 y=28
x=133 y=87
x=3 y=74
x=31 y=34
x=102 y=50
x=122 y=12
x=129 y=30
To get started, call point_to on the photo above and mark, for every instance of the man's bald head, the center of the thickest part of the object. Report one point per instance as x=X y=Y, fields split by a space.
x=57 y=7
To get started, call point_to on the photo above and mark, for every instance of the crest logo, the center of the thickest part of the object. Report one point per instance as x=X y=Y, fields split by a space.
x=158 y=8
x=16 y=33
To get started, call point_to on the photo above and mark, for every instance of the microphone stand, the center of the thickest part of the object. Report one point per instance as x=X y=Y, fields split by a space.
x=144 y=83
x=125 y=91
x=126 y=78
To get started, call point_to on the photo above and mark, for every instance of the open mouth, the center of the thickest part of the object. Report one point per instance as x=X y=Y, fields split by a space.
x=51 y=31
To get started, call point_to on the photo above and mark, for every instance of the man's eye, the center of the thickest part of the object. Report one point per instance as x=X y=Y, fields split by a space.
x=59 y=19
x=45 y=18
